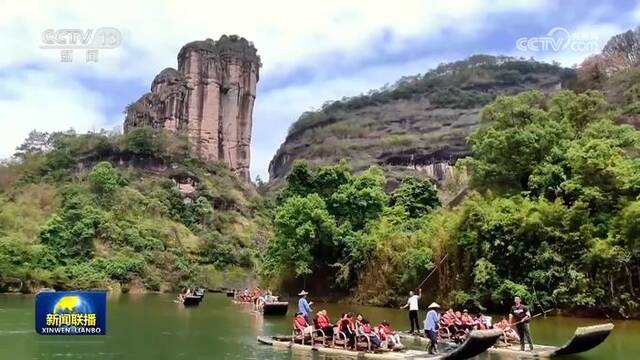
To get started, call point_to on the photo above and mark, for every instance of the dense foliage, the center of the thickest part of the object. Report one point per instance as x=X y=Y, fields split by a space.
x=106 y=210
x=553 y=217
x=568 y=178
x=329 y=227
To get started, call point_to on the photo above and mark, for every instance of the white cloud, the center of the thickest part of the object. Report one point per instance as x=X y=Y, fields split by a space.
x=43 y=101
x=636 y=13
x=591 y=39
x=287 y=33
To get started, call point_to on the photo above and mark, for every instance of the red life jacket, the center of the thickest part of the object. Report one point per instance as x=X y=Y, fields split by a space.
x=366 y=328
x=323 y=321
x=300 y=323
x=346 y=325
x=382 y=332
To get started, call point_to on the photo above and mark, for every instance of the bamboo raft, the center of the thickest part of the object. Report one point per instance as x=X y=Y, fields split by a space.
x=477 y=342
x=584 y=339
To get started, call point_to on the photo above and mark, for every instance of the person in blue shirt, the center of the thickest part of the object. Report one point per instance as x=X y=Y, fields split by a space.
x=304 y=307
x=431 y=327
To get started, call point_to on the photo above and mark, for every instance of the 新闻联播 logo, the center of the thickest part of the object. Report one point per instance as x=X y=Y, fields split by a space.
x=71 y=313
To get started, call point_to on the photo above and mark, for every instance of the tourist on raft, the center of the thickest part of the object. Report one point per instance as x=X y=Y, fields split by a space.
x=467 y=320
x=508 y=334
x=269 y=298
x=482 y=322
x=301 y=325
x=323 y=323
x=365 y=329
x=431 y=327
x=347 y=327
x=304 y=306
x=184 y=294
x=391 y=337
x=412 y=304
x=520 y=313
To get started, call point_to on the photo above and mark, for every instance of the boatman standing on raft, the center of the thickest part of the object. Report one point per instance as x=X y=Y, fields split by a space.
x=521 y=314
x=304 y=307
x=431 y=327
x=412 y=303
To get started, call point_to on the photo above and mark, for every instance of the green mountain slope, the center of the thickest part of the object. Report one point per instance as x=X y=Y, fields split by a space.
x=418 y=125
x=122 y=211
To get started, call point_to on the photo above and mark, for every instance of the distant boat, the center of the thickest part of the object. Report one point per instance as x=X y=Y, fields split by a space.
x=45 y=290
x=193 y=300
x=231 y=293
x=275 y=308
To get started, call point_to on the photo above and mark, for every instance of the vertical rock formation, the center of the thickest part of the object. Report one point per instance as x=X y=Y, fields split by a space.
x=209 y=98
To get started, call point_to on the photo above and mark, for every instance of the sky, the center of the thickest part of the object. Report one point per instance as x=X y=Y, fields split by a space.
x=312 y=51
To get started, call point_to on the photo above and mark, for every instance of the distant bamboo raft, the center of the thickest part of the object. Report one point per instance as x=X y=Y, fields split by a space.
x=275 y=308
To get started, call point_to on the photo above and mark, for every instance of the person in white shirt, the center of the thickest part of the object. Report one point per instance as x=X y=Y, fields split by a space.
x=412 y=304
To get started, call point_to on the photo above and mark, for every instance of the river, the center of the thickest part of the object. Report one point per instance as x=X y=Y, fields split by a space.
x=152 y=326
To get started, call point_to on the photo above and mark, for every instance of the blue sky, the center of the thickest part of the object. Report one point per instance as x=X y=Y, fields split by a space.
x=311 y=52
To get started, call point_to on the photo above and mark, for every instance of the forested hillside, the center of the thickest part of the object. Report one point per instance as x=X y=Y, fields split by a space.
x=131 y=212
x=552 y=217
x=550 y=211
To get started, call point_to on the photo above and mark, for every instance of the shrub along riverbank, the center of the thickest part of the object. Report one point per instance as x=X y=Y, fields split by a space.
x=551 y=216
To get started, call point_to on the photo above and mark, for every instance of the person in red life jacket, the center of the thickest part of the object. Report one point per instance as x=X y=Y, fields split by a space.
x=482 y=322
x=389 y=335
x=385 y=341
x=301 y=325
x=358 y=322
x=467 y=320
x=347 y=327
x=508 y=333
x=457 y=320
x=448 y=321
x=365 y=329
x=323 y=323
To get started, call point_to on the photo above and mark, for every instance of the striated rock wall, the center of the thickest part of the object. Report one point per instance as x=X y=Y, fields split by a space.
x=209 y=98
x=417 y=127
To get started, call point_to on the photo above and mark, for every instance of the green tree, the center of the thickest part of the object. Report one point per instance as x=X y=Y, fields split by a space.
x=36 y=142
x=304 y=236
x=418 y=196
x=361 y=200
x=104 y=179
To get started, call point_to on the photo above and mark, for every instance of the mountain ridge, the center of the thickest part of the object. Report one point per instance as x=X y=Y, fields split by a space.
x=420 y=123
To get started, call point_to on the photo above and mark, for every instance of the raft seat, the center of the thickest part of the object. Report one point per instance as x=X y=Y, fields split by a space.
x=301 y=339
x=320 y=337
x=363 y=342
x=339 y=338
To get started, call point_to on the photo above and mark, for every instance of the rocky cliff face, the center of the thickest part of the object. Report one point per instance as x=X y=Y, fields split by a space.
x=419 y=125
x=209 y=98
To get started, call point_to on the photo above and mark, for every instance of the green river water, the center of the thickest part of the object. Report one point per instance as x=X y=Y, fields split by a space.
x=144 y=327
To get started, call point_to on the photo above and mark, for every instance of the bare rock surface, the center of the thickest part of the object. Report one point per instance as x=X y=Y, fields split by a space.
x=209 y=99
